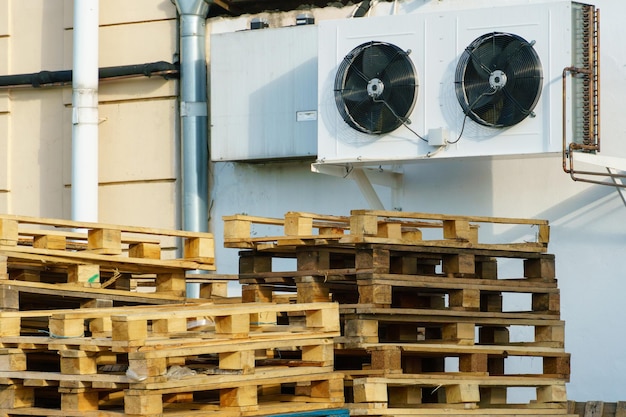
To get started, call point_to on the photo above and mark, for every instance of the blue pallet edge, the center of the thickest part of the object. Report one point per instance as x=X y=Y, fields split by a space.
x=339 y=412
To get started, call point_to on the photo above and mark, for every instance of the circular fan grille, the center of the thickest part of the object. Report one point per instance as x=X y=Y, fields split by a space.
x=499 y=79
x=376 y=88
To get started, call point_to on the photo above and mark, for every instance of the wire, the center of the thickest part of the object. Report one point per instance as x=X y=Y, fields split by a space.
x=470 y=108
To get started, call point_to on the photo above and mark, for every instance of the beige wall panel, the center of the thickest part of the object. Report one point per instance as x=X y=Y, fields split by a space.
x=140 y=204
x=36 y=152
x=5 y=161
x=4 y=55
x=37 y=45
x=131 y=89
x=113 y=12
x=5 y=101
x=5 y=21
x=137 y=141
x=131 y=44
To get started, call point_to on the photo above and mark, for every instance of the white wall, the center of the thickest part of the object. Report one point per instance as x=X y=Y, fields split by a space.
x=588 y=222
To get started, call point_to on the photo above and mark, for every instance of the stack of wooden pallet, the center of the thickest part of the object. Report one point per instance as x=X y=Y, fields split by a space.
x=53 y=263
x=147 y=361
x=429 y=311
x=94 y=322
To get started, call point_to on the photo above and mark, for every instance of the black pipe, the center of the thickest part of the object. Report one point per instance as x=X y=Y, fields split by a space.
x=46 y=78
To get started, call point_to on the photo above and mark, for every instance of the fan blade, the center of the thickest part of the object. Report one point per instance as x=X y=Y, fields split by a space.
x=484 y=57
x=490 y=112
x=478 y=94
x=510 y=53
x=510 y=113
x=355 y=88
x=373 y=118
x=374 y=61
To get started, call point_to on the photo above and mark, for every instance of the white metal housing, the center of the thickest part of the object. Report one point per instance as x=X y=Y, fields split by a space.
x=264 y=94
x=436 y=40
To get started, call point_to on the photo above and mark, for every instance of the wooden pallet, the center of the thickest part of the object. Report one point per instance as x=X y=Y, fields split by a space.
x=375 y=226
x=97 y=254
x=597 y=409
x=128 y=354
x=462 y=391
x=388 y=359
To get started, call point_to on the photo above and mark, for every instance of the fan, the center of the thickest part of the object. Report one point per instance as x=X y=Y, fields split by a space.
x=376 y=87
x=499 y=79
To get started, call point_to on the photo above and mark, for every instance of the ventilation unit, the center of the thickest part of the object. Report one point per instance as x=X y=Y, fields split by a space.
x=471 y=79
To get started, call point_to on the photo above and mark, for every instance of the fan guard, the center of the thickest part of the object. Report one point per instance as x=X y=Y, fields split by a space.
x=499 y=79
x=376 y=87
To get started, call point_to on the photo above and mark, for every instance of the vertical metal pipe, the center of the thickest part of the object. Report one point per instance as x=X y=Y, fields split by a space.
x=84 y=192
x=194 y=117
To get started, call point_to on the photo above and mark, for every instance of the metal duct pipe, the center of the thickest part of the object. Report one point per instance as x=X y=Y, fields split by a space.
x=194 y=117
x=85 y=112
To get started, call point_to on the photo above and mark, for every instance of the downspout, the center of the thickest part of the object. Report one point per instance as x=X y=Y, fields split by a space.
x=194 y=118
x=84 y=190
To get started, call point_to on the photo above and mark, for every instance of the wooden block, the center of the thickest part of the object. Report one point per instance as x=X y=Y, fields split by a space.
x=366 y=391
x=332 y=389
x=373 y=258
x=124 y=329
x=412 y=236
x=146 y=403
x=145 y=250
x=463 y=333
x=312 y=259
x=362 y=328
x=492 y=396
x=199 y=248
x=263 y=318
x=214 y=290
x=65 y=327
x=10 y=326
x=169 y=325
x=142 y=367
x=550 y=334
x=105 y=241
x=245 y=396
x=52 y=242
x=237 y=228
x=26 y=275
x=487 y=269
x=473 y=362
x=462 y=393
x=550 y=302
x=458 y=264
x=9 y=300
x=324 y=353
x=326 y=319
x=254 y=293
x=298 y=225
x=234 y=325
x=240 y=360
x=78 y=362
x=387 y=359
x=16 y=396
x=375 y=294
x=539 y=268
x=389 y=230
x=364 y=225
x=101 y=327
x=457 y=229
x=312 y=292
x=491 y=302
x=173 y=283
x=12 y=360
x=493 y=335
x=594 y=409
x=551 y=394
x=87 y=275
x=8 y=232
x=400 y=397
x=255 y=263
x=465 y=299
x=559 y=365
